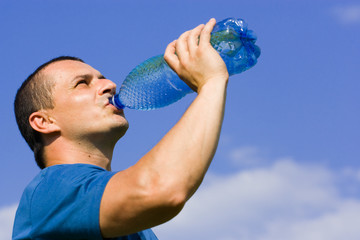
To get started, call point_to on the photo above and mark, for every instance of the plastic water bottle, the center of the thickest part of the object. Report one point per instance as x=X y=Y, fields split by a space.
x=153 y=84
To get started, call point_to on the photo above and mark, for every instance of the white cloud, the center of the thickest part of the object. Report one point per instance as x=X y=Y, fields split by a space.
x=352 y=173
x=7 y=215
x=341 y=223
x=287 y=200
x=347 y=14
x=245 y=156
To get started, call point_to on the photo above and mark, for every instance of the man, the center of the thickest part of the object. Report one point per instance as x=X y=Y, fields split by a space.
x=73 y=133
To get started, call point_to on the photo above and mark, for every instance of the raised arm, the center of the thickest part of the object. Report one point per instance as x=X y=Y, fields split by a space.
x=156 y=188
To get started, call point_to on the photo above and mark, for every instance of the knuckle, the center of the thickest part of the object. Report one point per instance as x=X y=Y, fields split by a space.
x=184 y=35
x=184 y=63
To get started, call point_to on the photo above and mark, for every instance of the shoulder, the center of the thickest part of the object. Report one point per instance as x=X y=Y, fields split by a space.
x=63 y=199
x=75 y=173
x=60 y=181
x=65 y=180
x=67 y=175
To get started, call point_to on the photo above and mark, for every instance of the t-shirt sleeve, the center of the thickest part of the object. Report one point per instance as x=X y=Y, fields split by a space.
x=66 y=203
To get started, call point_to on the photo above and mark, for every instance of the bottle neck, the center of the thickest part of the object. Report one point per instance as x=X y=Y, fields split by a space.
x=115 y=100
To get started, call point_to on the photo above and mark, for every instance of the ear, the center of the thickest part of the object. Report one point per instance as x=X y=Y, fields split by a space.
x=41 y=122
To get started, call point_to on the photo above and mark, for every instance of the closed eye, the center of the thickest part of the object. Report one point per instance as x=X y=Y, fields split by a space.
x=83 y=81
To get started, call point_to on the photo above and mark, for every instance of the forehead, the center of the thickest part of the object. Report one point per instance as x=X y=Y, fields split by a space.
x=66 y=70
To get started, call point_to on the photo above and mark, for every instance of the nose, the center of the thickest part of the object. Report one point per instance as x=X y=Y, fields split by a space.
x=107 y=86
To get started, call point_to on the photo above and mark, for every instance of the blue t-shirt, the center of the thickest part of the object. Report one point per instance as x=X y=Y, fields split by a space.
x=63 y=202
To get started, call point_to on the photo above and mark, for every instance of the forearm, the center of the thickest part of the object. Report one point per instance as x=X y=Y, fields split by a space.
x=182 y=157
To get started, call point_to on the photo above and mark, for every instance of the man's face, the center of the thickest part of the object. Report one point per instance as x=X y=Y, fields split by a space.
x=81 y=105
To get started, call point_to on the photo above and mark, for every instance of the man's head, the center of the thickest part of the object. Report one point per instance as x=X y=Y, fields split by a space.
x=66 y=98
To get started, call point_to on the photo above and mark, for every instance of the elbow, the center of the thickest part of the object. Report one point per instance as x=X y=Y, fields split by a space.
x=168 y=199
x=175 y=201
x=170 y=209
x=173 y=196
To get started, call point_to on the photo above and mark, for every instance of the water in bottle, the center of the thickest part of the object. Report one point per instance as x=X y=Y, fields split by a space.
x=153 y=84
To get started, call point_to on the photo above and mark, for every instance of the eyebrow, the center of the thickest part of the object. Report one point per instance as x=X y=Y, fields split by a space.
x=88 y=76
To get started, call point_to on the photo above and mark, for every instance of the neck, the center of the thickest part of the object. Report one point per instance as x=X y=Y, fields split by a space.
x=61 y=151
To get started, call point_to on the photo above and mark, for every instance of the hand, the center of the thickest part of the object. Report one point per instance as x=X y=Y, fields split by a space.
x=196 y=61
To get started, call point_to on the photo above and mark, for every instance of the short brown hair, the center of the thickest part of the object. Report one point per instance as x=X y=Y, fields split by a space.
x=35 y=94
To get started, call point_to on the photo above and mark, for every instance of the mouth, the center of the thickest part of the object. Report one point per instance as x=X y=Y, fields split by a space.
x=115 y=109
x=115 y=100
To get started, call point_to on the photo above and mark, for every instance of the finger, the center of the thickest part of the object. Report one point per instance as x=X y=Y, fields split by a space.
x=206 y=32
x=181 y=45
x=170 y=56
x=194 y=37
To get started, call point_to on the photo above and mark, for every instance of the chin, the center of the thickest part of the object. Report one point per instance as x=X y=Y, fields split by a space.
x=120 y=131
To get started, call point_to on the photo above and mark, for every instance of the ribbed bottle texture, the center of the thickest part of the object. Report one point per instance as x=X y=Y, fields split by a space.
x=153 y=84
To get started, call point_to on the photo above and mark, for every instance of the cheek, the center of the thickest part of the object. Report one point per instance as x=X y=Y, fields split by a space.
x=74 y=104
x=70 y=111
x=81 y=98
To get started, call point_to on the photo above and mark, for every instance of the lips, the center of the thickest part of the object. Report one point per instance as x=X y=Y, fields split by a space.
x=116 y=110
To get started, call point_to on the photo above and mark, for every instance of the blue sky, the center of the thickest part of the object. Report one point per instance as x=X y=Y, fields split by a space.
x=288 y=162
